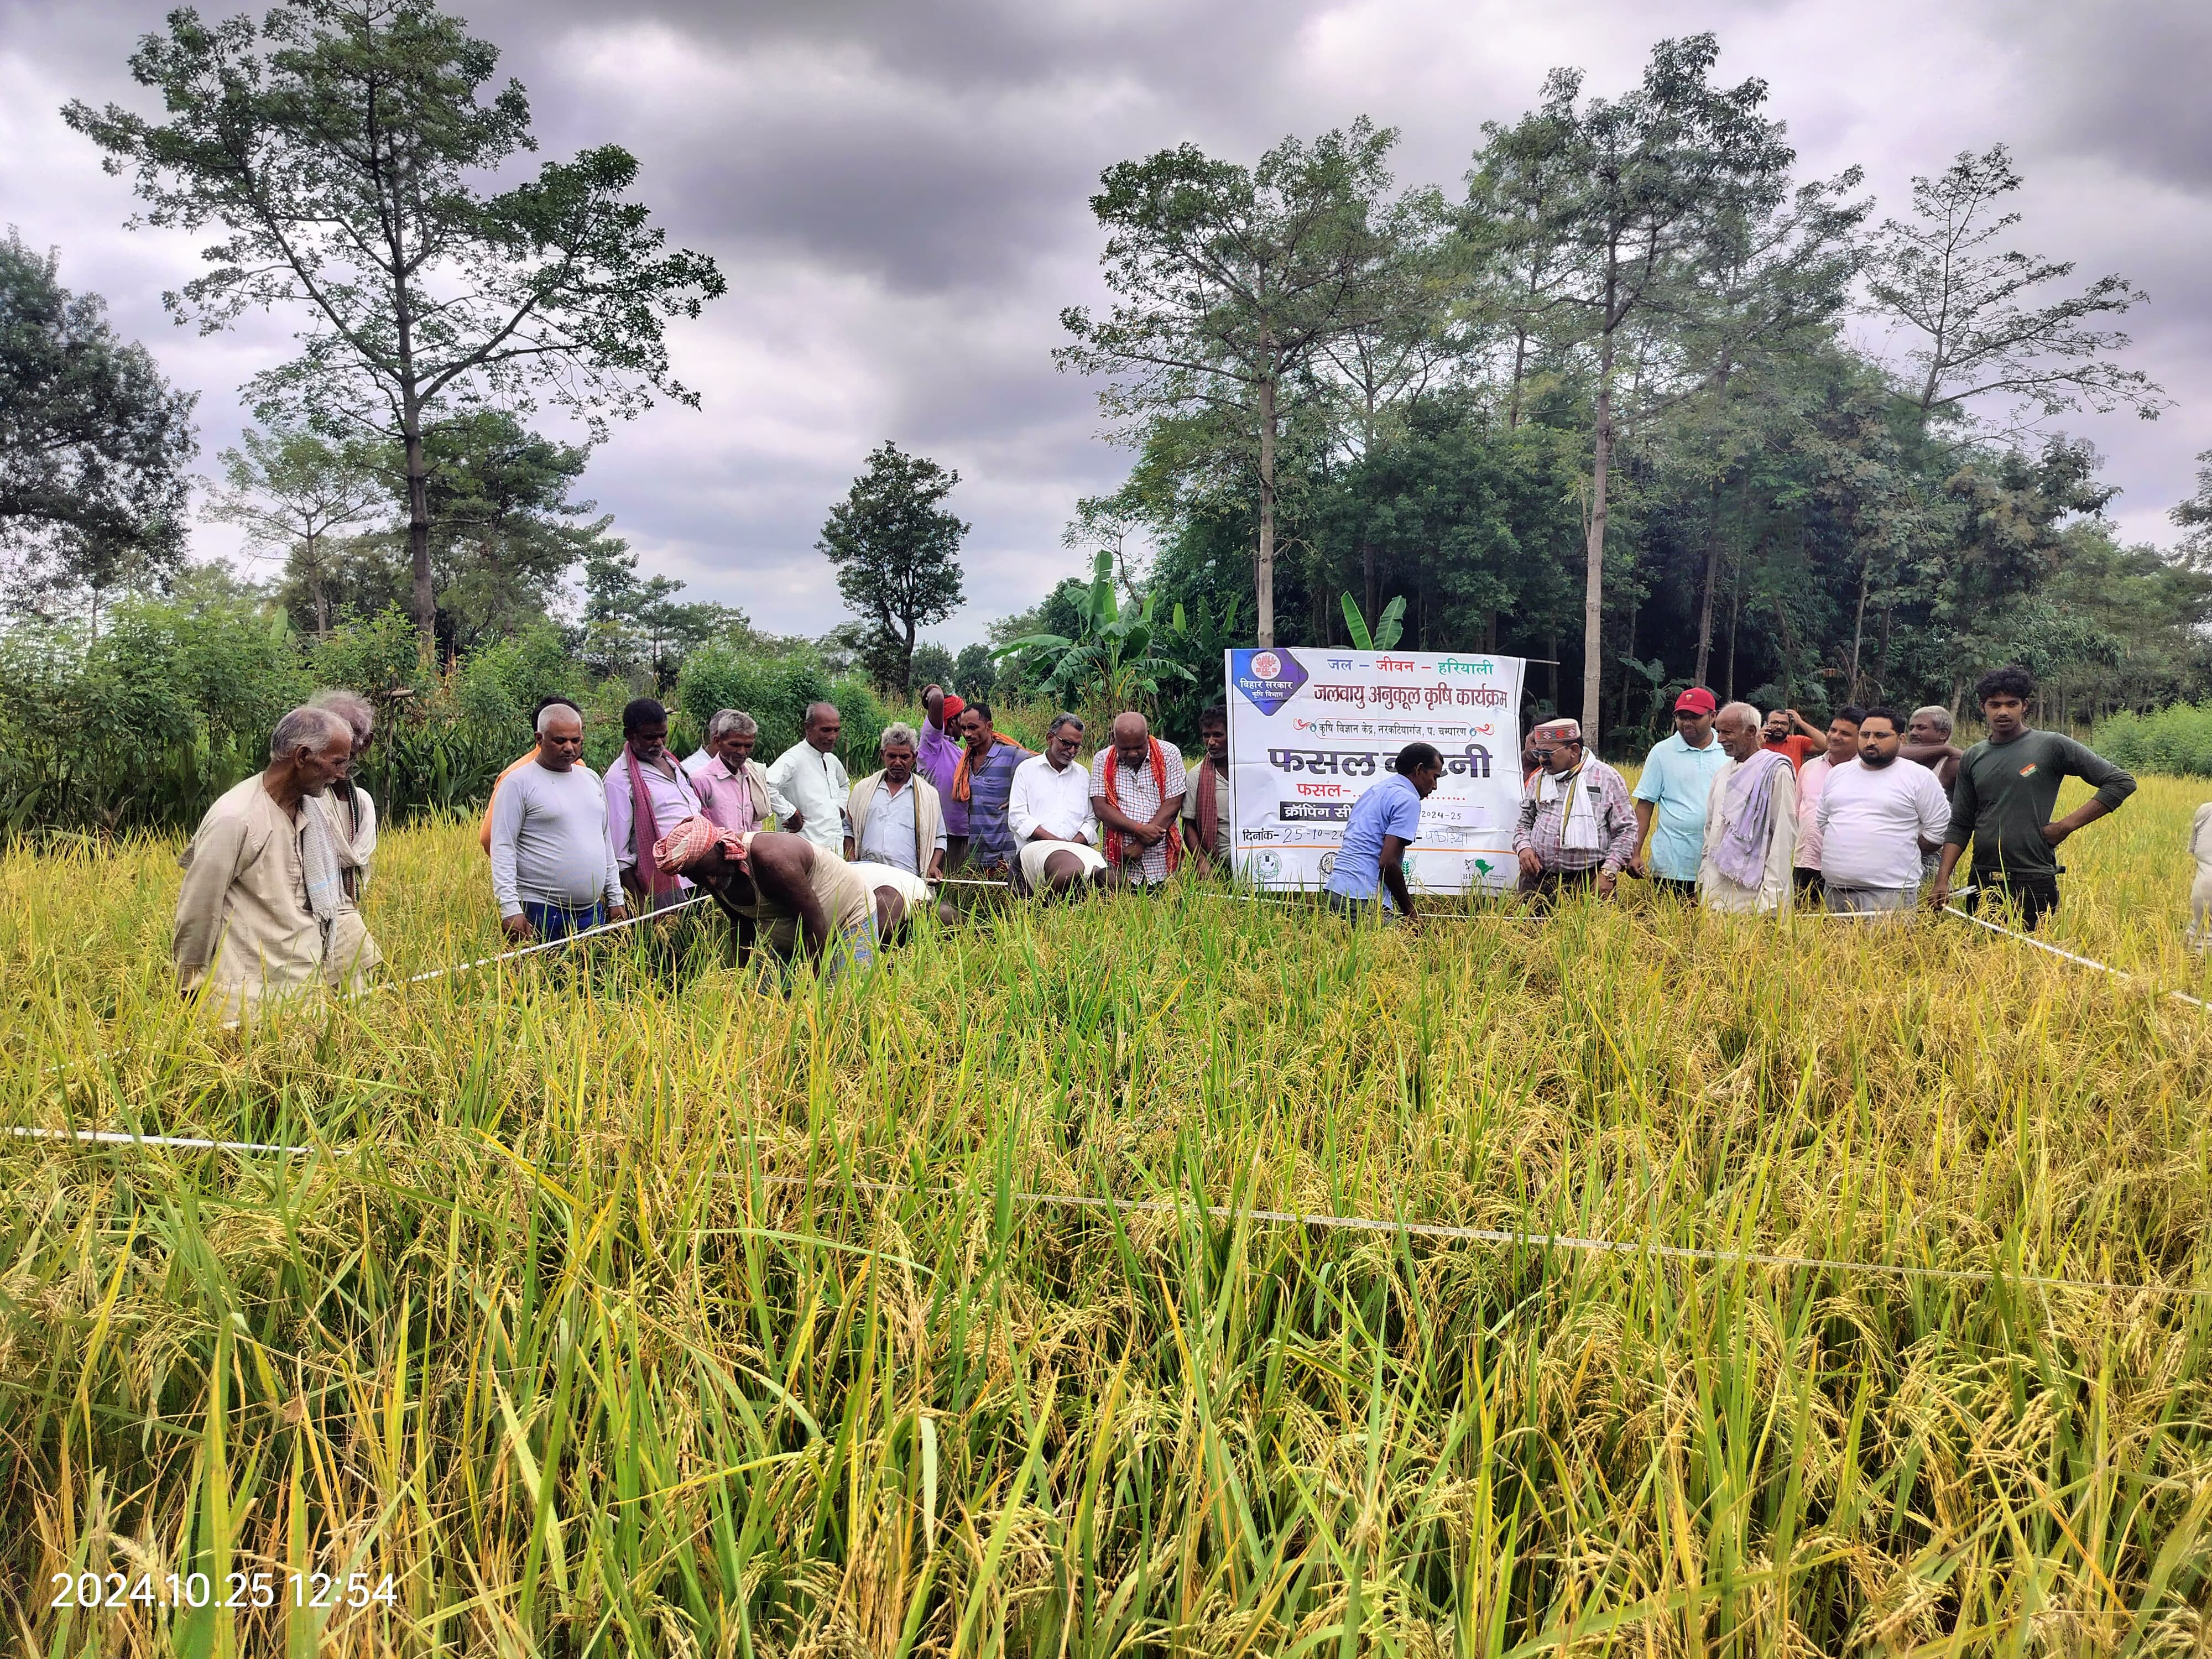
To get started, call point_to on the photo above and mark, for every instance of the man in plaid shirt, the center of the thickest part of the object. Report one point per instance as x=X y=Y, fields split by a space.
x=1578 y=828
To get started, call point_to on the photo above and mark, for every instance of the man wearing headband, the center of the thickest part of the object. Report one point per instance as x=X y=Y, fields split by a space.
x=1577 y=828
x=804 y=902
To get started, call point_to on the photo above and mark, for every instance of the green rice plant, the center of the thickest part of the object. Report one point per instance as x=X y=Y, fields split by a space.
x=636 y=1304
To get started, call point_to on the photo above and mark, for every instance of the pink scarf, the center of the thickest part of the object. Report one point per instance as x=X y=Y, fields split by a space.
x=650 y=876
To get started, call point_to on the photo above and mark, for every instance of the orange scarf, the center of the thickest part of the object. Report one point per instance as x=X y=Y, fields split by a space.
x=963 y=784
x=1115 y=840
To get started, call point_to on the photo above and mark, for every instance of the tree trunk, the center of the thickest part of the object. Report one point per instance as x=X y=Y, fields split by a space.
x=418 y=537
x=905 y=663
x=1593 y=563
x=1858 y=629
x=1367 y=564
x=1736 y=620
x=1520 y=358
x=1263 y=560
x=1712 y=581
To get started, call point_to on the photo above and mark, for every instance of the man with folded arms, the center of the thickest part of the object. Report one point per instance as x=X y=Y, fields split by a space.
x=1137 y=790
x=1751 y=822
x=1576 y=829
x=1878 y=817
x=1048 y=810
x=553 y=870
x=807 y=784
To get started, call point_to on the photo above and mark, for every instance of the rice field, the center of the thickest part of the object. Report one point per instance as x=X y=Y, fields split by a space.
x=642 y=1306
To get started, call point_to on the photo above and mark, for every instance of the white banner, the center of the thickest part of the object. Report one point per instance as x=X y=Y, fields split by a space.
x=1311 y=730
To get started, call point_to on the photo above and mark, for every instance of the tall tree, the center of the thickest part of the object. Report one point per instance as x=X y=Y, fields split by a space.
x=94 y=442
x=1974 y=311
x=1228 y=281
x=1658 y=176
x=291 y=491
x=341 y=144
x=505 y=528
x=897 y=554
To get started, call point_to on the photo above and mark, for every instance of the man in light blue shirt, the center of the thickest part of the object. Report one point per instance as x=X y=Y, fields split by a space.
x=1371 y=863
x=1678 y=777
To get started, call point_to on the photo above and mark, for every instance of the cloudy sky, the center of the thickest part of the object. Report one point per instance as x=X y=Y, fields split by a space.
x=895 y=190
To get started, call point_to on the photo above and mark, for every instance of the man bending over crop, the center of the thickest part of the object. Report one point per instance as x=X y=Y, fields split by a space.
x=805 y=901
x=1371 y=861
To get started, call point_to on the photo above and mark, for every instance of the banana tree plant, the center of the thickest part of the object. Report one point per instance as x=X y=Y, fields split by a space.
x=1389 y=627
x=1115 y=658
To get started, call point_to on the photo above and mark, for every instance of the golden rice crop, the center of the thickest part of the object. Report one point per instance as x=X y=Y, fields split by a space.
x=640 y=1306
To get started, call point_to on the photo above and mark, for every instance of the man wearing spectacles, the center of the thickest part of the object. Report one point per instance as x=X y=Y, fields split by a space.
x=1671 y=795
x=1576 y=829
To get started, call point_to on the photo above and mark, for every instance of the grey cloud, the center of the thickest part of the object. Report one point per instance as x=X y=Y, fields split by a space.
x=898 y=193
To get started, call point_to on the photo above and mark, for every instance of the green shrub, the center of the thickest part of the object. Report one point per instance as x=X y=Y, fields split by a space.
x=775 y=691
x=2176 y=739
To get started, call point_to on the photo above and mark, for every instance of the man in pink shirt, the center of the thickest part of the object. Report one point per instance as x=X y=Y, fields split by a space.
x=1812 y=777
x=732 y=785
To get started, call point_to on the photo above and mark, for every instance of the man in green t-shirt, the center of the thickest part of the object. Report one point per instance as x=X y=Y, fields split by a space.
x=2007 y=785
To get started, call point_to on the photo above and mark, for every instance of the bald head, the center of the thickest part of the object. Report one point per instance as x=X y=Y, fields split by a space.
x=1130 y=730
x=823 y=725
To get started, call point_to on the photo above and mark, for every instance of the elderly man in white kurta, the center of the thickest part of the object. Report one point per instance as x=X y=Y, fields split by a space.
x=262 y=887
x=1751 y=822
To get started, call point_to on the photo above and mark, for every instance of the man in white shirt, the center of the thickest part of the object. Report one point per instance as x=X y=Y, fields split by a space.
x=807 y=786
x=897 y=840
x=1048 y=810
x=1877 y=819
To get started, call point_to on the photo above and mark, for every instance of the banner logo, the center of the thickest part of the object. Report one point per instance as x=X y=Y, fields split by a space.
x=1267 y=679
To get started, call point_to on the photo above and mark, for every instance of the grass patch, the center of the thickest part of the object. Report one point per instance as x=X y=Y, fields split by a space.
x=591 y=1333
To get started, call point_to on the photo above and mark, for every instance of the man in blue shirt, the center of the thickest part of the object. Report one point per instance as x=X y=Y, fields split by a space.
x=1384 y=823
x=1678 y=776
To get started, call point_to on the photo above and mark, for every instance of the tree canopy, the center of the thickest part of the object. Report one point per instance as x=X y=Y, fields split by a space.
x=343 y=148
x=94 y=444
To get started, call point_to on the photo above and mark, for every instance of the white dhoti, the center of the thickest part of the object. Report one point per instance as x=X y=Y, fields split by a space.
x=911 y=889
x=1035 y=852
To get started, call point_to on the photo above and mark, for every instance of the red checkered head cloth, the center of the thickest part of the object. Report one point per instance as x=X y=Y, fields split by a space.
x=687 y=843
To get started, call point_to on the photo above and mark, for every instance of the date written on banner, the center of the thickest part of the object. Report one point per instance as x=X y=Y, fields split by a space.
x=115 y=1591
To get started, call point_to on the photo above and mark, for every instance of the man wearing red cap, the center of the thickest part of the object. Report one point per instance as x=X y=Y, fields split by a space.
x=1671 y=794
x=937 y=759
x=1576 y=829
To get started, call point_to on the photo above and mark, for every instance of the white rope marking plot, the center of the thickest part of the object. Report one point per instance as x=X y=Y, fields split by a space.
x=556 y=944
x=1533 y=1241
x=2068 y=956
x=1431 y=1230
x=183 y=1143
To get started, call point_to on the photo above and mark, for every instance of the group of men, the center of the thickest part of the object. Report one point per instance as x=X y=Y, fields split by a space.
x=1735 y=811
x=1742 y=813
x=808 y=860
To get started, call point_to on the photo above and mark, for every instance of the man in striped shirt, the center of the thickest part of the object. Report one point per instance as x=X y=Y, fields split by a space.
x=1578 y=828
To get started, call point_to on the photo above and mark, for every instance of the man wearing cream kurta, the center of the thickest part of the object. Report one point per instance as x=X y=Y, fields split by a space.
x=1751 y=822
x=248 y=927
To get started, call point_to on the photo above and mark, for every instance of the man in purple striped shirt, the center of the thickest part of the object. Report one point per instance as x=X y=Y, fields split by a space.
x=1578 y=828
x=937 y=759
